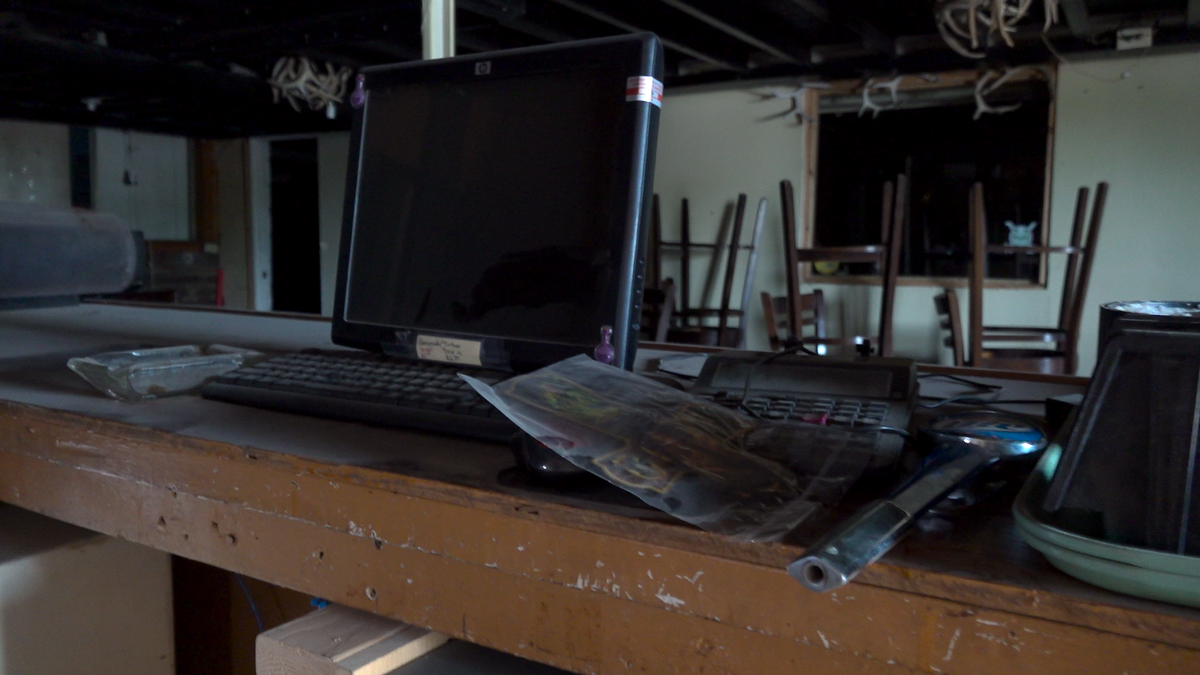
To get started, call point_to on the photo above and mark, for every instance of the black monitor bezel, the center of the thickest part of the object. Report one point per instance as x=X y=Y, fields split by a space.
x=641 y=54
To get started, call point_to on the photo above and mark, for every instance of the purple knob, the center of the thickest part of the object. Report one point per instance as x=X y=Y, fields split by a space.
x=358 y=97
x=604 y=351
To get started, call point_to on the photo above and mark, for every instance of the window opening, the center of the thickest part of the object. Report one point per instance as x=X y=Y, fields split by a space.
x=944 y=151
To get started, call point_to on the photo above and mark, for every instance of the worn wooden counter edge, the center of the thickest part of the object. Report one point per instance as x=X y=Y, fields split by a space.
x=583 y=590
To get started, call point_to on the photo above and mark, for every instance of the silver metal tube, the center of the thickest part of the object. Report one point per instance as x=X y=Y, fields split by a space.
x=841 y=554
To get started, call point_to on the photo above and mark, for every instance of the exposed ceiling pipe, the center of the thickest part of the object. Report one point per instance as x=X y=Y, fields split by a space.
x=437 y=29
x=874 y=39
x=111 y=71
x=731 y=30
x=667 y=43
x=514 y=20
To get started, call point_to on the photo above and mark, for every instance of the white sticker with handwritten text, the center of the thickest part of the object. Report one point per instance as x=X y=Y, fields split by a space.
x=448 y=350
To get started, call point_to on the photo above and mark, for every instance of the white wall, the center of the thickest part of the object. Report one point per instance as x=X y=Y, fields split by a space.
x=1141 y=133
x=35 y=167
x=710 y=148
x=34 y=163
x=159 y=204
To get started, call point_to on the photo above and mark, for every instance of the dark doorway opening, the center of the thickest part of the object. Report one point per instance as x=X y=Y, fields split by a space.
x=79 y=142
x=295 y=227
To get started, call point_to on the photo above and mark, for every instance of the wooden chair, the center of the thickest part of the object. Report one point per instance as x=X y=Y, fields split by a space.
x=654 y=254
x=885 y=254
x=658 y=309
x=775 y=313
x=722 y=334
x=950 y=319
x=692 y=327
x=1063 y=358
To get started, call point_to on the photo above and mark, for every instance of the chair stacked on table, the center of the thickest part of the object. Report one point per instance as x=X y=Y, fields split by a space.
x=1062 y=356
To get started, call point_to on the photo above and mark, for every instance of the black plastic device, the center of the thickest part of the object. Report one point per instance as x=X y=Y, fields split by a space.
x=494 y=219
x=862 y=392
x=496 y=204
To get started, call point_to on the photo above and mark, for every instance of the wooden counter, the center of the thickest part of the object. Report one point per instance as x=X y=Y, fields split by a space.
x=417 y=527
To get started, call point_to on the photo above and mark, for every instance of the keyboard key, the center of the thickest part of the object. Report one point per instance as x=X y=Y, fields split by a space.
x=330 y=387
x=409 y=400
x=821 y=419
x=438 y=402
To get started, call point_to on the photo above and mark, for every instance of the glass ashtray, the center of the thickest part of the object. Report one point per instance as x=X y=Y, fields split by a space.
x=140 y=374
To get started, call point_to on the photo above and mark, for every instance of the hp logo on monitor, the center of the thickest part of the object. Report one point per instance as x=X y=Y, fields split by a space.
x=483 y=68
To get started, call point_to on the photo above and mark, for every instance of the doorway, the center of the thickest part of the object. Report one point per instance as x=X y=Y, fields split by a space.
x=295 y=227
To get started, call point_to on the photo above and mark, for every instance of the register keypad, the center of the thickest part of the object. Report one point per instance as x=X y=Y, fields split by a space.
x=826 y=411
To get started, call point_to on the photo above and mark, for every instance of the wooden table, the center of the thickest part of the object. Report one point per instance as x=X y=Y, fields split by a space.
x=418 y=527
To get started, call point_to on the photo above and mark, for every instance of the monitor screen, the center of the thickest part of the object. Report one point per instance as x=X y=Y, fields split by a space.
x=482 y=207
x=495 y=206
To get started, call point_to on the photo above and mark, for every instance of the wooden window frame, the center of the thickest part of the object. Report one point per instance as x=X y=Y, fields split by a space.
x=811 y=107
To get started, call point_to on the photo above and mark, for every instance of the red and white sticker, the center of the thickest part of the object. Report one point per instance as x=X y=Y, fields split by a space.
x=644 y=88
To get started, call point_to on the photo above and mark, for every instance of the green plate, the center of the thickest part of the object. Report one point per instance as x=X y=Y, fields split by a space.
x=1126 y=569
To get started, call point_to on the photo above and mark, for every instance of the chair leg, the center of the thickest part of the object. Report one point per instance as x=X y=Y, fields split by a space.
x=772 y=325
x=735 y=238
x=791 y=263
x=891 y=262
x=666 y=312
x=977 y=227
x=954 y=319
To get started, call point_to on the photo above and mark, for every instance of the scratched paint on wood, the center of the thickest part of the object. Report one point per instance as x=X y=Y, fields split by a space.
x=576 y=553
x=175 y=461
x=417 y=522
x=549 y=622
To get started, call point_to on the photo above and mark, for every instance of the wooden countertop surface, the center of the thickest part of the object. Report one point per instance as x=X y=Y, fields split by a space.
x=419 y=527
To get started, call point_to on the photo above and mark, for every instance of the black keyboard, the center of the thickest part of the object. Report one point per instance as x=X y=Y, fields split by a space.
x=371 y=388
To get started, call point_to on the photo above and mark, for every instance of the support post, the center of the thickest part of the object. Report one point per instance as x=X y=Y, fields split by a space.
x=437 y=29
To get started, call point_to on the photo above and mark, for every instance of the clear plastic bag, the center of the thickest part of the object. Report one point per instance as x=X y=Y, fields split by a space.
x=700 y=462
